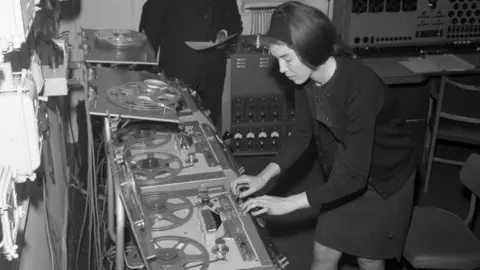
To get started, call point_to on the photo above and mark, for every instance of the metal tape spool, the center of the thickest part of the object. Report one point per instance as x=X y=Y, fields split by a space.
x=153 y=168
x=141 y=137
x=120 y=38
x=176 y=257
x=148 y=95
x=164 y=210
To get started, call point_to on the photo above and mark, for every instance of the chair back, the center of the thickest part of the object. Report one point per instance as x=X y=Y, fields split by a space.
x=470 y=178
x=470 y=174
x=458 y=101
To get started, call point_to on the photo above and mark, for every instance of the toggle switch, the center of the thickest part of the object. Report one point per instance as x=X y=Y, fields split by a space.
x=250 y=136
x=192 y=158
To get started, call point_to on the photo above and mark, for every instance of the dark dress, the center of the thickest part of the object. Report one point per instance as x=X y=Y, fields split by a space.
x=367 y=157
x=169 y=23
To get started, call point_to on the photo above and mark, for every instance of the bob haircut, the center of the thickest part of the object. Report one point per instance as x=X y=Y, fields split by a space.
x=308 y=31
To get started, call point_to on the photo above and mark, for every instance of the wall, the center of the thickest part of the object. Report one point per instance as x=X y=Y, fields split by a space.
x=125 y=14
x=323 y=5
x=105 y=14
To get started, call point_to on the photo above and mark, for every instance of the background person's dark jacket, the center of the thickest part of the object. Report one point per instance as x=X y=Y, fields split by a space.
x=169 y=23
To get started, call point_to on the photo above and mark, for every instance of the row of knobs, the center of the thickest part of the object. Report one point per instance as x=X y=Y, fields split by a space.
x=262 y=136
x=250 y=115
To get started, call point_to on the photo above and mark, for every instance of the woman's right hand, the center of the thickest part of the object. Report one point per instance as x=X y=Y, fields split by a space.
x=251 y=183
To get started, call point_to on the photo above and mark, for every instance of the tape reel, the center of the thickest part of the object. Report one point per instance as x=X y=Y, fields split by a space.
x=120 y=38
x=177 y=252
x=149 y=95
x=141 y=137
x=154 y=167
x=167 y=210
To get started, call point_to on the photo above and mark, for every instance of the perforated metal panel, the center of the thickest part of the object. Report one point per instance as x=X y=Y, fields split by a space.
x=384 y=23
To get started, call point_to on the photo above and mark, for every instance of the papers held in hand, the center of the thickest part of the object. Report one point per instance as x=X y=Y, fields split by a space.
x=204 y=45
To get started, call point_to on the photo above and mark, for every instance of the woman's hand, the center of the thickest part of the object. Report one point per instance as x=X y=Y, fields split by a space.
x=251 y=183
x=271 y=205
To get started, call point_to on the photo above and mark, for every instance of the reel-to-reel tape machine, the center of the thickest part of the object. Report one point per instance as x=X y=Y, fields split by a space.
x=172 y=172
x=180 y=210
x=176 y=155
x=117 y=46
x=142 y=96
x=202 y=229
x=168 y=170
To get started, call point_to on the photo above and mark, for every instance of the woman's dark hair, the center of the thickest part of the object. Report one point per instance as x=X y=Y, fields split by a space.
x=306 y=30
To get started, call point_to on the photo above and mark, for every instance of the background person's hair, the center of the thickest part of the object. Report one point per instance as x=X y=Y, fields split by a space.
x=308 y=31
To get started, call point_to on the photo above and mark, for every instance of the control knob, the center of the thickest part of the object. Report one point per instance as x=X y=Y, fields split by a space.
x=238 y=136
x=274 y=135
x=202 y=195
x=220 y=249
x=262 y=136
x=250 y=115
x=227 y=136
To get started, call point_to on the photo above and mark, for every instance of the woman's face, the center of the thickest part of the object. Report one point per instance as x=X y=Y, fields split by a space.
x=290 y=64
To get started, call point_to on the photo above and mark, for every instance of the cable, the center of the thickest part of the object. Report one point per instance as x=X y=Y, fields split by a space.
x=92 y=220
x=48 y=225
x=86 y=192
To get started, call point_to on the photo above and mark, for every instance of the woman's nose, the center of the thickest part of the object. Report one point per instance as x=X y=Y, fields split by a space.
x=282 y=67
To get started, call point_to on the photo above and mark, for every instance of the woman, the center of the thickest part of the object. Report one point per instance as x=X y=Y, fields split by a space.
x=364 y=146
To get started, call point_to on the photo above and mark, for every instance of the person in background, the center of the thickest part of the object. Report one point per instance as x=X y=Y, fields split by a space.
x=169 y=23
x=364 y=146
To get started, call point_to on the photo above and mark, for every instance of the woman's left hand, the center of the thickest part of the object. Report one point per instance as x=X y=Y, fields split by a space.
x=271 y=205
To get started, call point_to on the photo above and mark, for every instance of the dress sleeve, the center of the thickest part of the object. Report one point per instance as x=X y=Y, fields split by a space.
x=352 y=166
x=292 y=147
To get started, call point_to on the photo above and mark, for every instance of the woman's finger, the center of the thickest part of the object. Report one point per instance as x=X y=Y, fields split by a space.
x=249 y=205
x=260 y=212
